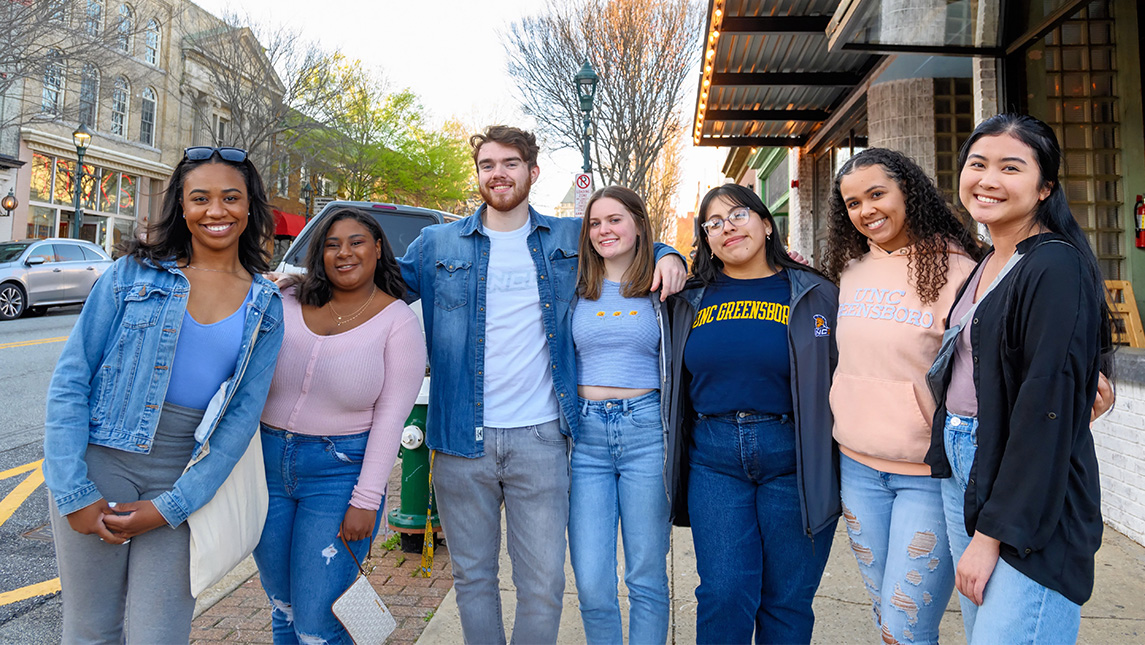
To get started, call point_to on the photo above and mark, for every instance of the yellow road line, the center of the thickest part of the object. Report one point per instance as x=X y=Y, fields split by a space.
x=21 y=492
x=20 y=470
x=31 y=591
x=29 y=343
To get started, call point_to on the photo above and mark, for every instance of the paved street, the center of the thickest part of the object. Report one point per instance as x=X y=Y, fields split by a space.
x=29 y=607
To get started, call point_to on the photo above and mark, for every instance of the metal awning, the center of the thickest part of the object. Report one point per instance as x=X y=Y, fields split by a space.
x=769 y=78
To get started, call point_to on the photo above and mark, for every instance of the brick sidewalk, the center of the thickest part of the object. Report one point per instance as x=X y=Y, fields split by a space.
x=244 y=615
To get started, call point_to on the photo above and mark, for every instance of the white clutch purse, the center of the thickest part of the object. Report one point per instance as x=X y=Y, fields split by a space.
x=361 y=611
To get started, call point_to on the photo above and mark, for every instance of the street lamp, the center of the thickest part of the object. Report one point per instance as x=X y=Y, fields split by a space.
x=307 y=193
x=585 y=81
x=9 y=202
x=82 y=138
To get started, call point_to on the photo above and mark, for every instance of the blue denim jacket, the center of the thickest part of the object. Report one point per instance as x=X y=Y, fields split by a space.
x=446 y=267
x=109 y=385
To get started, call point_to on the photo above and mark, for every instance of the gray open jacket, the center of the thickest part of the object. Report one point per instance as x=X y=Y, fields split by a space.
x=813 y=355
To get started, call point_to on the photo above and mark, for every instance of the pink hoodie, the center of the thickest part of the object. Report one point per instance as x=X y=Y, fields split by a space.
x=887 y=341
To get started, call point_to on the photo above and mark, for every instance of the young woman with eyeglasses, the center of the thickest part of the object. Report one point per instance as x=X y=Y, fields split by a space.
x=753 y=348
x=1011 y=439
x=183 y=318
x=349 y=371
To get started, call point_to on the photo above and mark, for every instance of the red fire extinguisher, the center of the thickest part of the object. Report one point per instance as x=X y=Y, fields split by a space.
x=1139 y=220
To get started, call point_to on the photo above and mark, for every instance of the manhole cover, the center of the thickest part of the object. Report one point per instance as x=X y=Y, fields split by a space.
x=42 y=533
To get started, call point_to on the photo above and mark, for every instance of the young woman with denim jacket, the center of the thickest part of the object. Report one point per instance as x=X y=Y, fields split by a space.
x=899 y=255
x=617 y=462
x=1010 y=437
x=181 y=319
x=351 y=365
x=753 y=352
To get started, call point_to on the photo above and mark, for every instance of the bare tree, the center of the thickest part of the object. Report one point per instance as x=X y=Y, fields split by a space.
x=663 y=183
x=273 y=84
x=53 y=40
x=642 y=51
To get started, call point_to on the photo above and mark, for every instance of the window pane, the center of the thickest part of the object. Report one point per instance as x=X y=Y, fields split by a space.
x=127 y=195
x=68 y=253
x=108 y=191
x=42 y=222
x=41 y=189
x=64 y=192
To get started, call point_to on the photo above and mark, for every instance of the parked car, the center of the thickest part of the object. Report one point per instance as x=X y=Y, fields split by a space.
x=37 y=274
x=401 y=224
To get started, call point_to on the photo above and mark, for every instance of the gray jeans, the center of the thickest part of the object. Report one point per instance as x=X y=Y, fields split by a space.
x=527 y=469
x=145 y=583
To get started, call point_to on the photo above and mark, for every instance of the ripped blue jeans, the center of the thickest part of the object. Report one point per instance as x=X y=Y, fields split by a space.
x=301 y=560
x=898 y=536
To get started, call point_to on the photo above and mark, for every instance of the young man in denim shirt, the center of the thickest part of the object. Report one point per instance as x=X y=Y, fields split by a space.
x=496 y=289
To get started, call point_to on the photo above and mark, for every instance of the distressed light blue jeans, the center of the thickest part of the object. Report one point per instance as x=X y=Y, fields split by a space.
x=527 y=470
x=618 y=477
x=1014 y=609
x=898 y=535
x=301 y=560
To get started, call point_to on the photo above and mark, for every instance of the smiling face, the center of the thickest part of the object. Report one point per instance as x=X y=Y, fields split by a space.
x=1001 y=184
x=503 y=177
x=216 y=207
x=612 y=230
x=876 y=206
x=350 y=255
x=742 y=247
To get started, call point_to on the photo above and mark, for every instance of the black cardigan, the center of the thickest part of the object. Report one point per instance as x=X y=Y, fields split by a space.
x=1034 y=484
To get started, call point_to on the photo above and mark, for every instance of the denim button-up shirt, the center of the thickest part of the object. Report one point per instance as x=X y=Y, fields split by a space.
x=447 y=266
x=111 y=380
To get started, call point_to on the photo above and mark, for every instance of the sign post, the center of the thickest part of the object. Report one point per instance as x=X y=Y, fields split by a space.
x=583 y=190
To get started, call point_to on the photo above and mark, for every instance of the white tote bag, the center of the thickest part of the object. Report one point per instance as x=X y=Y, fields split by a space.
x=228 y=527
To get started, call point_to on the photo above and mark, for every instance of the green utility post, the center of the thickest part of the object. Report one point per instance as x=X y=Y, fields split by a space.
x=410 y=518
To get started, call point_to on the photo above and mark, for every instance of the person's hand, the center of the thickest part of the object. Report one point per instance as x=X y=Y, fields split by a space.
x=669 y=276
x=976 y=567
x=89 y=521
x=128 y=519
x=795 y=255
x=358 y=524
x=1104 y=399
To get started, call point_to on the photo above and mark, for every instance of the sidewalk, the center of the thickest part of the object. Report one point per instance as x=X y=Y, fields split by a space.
x=426 y=608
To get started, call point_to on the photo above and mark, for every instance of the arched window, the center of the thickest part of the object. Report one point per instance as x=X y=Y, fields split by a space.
x=125 y=27
x=119 y=102
x=147 y=107
x=94 y=21
x=89 y=95
x=51 y=100
x=151 y=51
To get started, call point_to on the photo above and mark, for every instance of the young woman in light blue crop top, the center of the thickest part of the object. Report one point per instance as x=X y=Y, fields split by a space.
x=618 y=459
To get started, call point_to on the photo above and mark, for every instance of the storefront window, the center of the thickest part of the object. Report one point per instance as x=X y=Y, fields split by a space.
x=42 y=222
x=127 y=189
x=89 y=192
x=108 y=191
x=124 y=230
x=41 y=188
x=64 y=192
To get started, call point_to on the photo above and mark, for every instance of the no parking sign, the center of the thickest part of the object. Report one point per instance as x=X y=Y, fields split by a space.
x=583 y=189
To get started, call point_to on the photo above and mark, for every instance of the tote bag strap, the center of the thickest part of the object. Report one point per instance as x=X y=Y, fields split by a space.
x=1006 y=268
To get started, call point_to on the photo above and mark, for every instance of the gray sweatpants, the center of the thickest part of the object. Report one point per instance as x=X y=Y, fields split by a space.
x=140 y=591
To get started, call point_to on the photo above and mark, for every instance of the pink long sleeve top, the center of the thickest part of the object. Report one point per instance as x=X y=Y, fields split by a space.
x=363 y=379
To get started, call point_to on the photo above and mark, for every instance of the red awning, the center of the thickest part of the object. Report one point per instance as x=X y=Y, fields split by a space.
x=287 y=223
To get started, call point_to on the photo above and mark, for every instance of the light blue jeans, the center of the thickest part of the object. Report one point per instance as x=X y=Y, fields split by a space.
x=301 y=560
x=527 y=470
x=1014 y=609
x=898 y=535
x=618 y=477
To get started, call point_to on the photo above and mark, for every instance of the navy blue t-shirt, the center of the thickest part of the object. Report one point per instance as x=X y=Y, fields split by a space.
x=737 y=351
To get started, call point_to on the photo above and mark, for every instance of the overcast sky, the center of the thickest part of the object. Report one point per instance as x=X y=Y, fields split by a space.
x=449 y=52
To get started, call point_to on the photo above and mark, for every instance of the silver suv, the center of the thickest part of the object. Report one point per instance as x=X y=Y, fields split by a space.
x=37 y=274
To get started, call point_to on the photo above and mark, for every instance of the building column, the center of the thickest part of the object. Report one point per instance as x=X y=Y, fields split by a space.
x=900 y=116
x=800 y=212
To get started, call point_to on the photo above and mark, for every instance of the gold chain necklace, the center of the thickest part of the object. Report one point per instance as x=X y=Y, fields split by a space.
x=189 y=266
x=342 y=320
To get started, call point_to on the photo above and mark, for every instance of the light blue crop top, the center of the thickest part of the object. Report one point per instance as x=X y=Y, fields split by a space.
x=205 y=356
x=617 y=340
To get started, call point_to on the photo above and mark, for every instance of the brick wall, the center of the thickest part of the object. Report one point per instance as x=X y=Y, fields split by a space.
x=900 y=116
x=1119 y=437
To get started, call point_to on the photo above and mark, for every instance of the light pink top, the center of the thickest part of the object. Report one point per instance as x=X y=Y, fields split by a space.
x=364 y=379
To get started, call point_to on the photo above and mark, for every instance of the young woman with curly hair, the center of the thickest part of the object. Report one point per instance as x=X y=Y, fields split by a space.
x=899 y=255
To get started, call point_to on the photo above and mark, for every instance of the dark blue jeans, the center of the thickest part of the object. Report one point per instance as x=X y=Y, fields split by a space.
x=758 y=567
x=301 y=560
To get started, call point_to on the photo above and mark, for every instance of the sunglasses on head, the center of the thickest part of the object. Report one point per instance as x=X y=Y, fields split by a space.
x=202 y=153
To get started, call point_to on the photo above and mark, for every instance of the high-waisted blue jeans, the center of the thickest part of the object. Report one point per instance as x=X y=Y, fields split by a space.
x=618 y=477
x=758 y=567
x=301 y=560
x=1014 y=609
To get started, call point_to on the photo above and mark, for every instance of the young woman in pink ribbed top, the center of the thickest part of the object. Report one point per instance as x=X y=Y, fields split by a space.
x=899 y=255
x=350 y=368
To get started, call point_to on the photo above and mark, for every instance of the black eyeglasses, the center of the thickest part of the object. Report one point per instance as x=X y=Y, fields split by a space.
x=202 y=153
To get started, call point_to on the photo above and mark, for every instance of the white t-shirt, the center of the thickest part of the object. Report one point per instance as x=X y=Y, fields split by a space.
x=518 y=381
